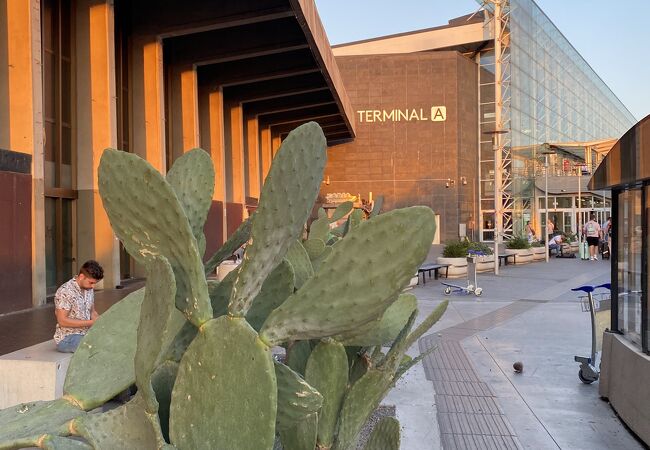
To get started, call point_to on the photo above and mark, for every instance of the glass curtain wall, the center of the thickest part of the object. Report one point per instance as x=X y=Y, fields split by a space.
x=553 y=96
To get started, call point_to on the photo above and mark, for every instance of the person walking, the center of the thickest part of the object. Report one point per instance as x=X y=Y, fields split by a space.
x=592 y=231
x=607 y=235
x=550 y=228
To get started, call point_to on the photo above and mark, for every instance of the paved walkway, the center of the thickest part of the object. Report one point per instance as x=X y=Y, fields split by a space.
x=528 y=314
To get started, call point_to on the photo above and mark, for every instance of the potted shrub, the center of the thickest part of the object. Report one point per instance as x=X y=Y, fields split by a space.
x=455 y=254
x=572 y=240
x=539 y=251
x=519 y=246
x=484 y=256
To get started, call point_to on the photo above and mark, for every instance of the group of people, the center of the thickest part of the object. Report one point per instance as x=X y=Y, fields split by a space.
x=592 y=230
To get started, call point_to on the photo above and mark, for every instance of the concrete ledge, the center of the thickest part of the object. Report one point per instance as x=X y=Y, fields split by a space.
x=624 y=371
x=32 y=373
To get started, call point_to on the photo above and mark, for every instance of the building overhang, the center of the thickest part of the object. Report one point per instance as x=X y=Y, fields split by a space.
x=271 y=56
x=628 y=162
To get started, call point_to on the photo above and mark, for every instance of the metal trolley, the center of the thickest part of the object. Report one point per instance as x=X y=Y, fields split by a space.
x=472 y=283
x=598 y=305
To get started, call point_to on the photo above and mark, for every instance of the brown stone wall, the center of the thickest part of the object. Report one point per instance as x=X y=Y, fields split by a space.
x=409 y=161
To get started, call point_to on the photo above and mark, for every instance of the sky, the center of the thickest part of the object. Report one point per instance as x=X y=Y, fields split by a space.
x=610 y=35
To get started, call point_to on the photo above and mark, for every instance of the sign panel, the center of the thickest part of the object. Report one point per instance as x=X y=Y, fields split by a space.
x=433 y=114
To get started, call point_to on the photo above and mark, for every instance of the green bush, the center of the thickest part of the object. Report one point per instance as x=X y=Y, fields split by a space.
x=479 y=247
x=455 y=249
x=569 y=237
x=518 y=243
x=461 y=248
x=537 y=244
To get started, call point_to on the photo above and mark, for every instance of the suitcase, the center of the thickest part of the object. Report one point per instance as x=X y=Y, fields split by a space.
x=583 y=250
x=603 y=249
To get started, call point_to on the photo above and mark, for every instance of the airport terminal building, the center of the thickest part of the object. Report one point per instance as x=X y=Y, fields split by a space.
x=406 y=117
x=540 y=92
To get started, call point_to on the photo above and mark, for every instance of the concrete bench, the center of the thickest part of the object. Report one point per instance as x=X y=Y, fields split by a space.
x=32 y=373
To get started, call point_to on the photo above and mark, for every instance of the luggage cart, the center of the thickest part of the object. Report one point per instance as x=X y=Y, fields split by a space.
x=598 y=305
x=472 y=282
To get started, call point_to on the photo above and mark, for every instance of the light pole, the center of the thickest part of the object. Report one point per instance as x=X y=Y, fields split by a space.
x=546 y=153
x=579 y=230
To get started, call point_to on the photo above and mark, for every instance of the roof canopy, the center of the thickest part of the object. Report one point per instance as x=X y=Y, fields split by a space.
x=628 y=162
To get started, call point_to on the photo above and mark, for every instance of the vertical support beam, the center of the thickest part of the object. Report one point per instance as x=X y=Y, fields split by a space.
x=183 y=110
x=96 y=130
x=253 y=152
x=236 y=183
x=265 y=150
x=276 y=142
x=21 y=113
x=148 y=100
x=212 y=140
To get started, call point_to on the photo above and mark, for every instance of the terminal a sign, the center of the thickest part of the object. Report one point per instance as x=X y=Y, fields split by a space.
x=435 y=114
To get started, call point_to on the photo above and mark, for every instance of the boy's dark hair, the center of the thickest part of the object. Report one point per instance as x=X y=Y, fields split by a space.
x=92 y=269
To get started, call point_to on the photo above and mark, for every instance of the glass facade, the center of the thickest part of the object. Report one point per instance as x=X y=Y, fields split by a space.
x=550 y=94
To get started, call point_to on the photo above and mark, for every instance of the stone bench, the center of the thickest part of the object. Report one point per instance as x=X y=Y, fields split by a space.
x=32 y=373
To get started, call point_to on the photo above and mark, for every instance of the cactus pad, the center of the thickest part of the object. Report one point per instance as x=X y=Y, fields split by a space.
x=296 y=398
x=319 y=229
x=22 y=425
x=314 y=247
x=149 y=220
x=50 y=442
x=225 y=395
x=124 y=428
x=357 y=282
x=275 y=290
x=361 y=400
x=156 y=308
x=385 y=435
x=299 y=259
x=192 y=178
x=327 y=371
x=102 y=366
x=341 y=211
x=286 y=200
x=298 y=355
x=386 y=329
x=302 y=436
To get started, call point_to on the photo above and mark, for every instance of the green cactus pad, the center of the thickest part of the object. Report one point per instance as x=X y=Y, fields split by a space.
x=149 y=220
x=319 y=229
x=286 y=201
x=192 y=178
x=376 y=208
x=362 y=399
x=50 y=442
x=102 y=366
x=299 y=259
x=158 y=304
x=181 y=341
x=127 y=427
x=298 y=355
x=314 y=247
x=225 y=395
x=241 y=235
x=353 y=222
x=163 y=382
x=357 y=282
x=327 y=371
x=385 y=435
x=317 y=262
x=387 y=328
x=296 y=398
x=302 y=436
x=219 y=292
x=275 y=290
x=341 y=210
x=23 y=425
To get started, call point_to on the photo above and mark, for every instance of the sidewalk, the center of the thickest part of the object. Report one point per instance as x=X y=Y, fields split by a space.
x=466 y=394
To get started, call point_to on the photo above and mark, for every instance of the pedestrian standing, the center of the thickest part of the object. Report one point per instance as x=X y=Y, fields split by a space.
x=592 y=231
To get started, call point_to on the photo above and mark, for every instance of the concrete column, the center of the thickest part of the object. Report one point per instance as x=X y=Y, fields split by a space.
x=266 y=152
x=234 y=140
x=183 y=110
x=212 y=140
x=21 y=112
x=148 y=114
x=96 y=130
x=253 y=158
